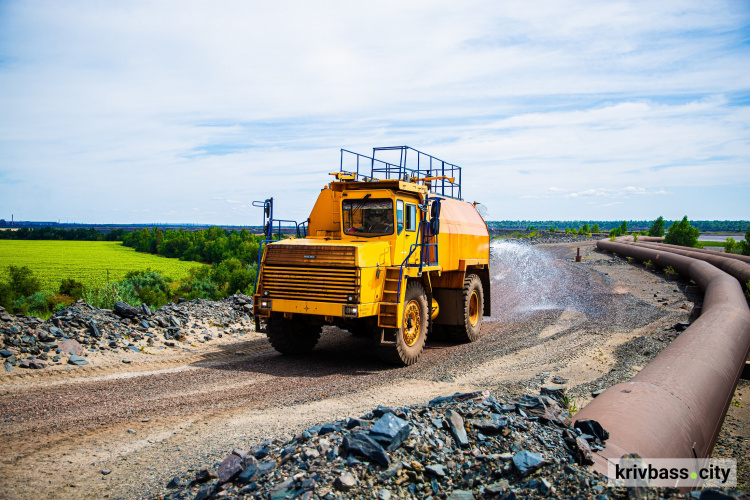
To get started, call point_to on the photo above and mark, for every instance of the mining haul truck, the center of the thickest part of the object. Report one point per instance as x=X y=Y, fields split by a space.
x=395 y=255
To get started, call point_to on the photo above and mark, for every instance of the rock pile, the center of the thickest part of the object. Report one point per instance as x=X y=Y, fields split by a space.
x=73 y=333
x=466 y=446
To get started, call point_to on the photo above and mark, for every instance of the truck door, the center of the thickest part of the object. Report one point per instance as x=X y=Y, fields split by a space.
x=407 y=223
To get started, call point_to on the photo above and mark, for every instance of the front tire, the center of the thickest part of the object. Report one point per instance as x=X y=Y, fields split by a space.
x=292 y=336
x=473 y=300
x=409 y=340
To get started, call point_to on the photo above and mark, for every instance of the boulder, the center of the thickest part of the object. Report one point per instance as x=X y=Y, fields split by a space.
x=229 y=468
x=361 y=444
x=390 y=431
x=70 y=346
x=345 y=481
x=527 y=462
x=77 y=360
x=125 y=310
x=456 y=424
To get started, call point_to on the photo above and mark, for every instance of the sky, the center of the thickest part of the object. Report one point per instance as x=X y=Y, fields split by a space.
x=186 y=112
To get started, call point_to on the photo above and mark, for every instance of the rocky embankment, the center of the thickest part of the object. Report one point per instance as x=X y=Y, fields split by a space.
x=461 y=447
x=545 y=238
x=76 y=335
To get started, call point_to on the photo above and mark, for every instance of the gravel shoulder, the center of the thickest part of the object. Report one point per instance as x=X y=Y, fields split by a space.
x=598 y=323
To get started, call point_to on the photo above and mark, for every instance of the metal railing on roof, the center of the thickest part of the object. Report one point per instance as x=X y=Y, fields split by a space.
x=441 y=177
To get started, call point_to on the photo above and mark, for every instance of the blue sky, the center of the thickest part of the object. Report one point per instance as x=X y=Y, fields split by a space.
x=187 y=111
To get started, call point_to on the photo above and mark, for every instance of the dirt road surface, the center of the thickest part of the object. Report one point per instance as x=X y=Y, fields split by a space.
x=122 y=431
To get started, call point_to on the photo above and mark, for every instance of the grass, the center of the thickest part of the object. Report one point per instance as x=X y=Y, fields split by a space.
x=84 y=261
x=702 y=244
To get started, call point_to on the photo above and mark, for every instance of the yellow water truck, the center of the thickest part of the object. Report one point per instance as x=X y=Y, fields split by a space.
x=394 y=255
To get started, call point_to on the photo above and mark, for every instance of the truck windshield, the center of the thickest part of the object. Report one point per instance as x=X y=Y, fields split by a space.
x=368 y=217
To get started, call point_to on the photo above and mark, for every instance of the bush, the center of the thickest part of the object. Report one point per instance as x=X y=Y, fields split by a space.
x=71 y=288
x=21 y=283
x=595 y=228
x=104 y=297
x=34 y=304
x=730 y=245
x=241 y=281
x=682 y=233
x=743 y=247
x=657 y=228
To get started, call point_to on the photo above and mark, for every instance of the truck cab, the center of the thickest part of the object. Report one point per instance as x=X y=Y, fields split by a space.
x=393 y=258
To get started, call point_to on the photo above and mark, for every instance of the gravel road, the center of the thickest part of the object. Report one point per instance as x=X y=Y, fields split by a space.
x=595 y=323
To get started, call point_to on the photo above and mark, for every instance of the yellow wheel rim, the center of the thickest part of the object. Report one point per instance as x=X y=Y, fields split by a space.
x=474 y=308
x=412 y=323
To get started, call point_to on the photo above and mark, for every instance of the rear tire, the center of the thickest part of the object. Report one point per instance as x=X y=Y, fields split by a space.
x=292 y=336
x=473 y=295
x=409 y=340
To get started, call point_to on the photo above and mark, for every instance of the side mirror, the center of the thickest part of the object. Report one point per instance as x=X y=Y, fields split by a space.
x=434 y=226
x=435 y=217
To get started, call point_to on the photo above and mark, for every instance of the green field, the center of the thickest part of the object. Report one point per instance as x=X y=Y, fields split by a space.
x=84 y=261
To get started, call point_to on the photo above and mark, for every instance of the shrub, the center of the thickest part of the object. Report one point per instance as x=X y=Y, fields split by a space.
x=657 y=228
x=104 y=297
x=730 y=246
x=34 y=304
x=635 y=238
x=595 y=228
x=71 y=288
x=22 y=281
x=682 y=233
x=743 y=247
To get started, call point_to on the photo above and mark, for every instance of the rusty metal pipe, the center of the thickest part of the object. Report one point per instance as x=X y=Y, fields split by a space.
x=743 y=258
x=733 y=267
x=675 y=406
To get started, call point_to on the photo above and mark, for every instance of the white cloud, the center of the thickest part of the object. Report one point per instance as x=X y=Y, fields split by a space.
x=164 y=106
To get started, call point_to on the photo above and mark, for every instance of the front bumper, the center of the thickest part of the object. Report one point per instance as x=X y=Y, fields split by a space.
x=263 y=307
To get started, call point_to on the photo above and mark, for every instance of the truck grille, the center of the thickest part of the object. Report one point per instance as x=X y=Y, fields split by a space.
x=310 y=283
x=309 y=255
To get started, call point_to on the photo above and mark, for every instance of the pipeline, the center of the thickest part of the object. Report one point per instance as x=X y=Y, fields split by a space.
x=675 y=406
x=668 y=247
x=733 y=267
x=743 y=258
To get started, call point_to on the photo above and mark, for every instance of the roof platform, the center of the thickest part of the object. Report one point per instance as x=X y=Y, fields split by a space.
x=440 y=177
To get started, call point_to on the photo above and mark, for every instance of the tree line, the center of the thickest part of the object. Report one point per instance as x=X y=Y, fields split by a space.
x=739 y=226
x=51 y=233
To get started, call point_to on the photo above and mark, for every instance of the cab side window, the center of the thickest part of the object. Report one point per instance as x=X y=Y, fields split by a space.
x=411 y=217
x=400 y=215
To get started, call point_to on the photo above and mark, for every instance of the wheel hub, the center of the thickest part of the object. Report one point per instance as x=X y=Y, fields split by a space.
x=412 y=323
x=474 y=308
